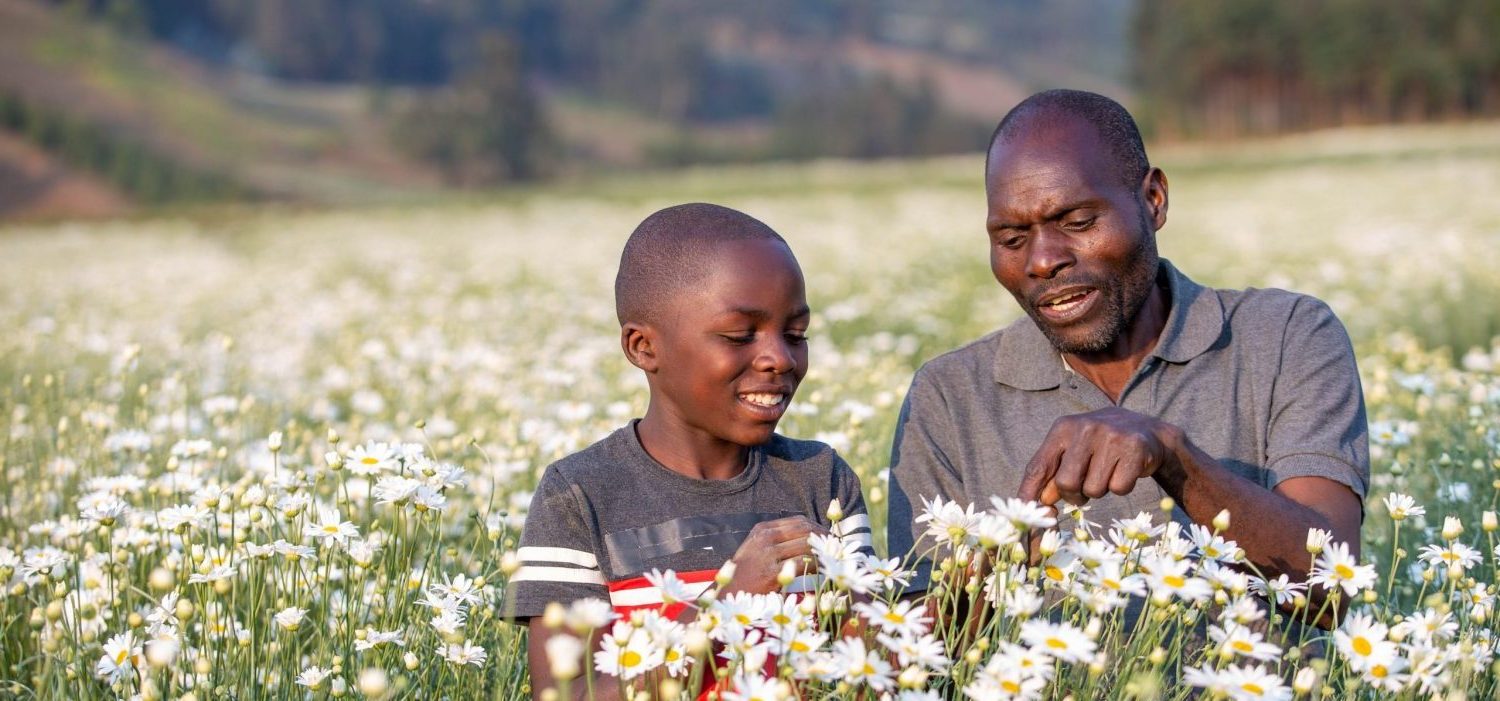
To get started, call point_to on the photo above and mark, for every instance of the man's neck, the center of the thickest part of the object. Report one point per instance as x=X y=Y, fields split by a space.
x=1111 y=369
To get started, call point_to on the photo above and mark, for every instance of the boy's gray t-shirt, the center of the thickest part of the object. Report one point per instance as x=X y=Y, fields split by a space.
x=604 y=517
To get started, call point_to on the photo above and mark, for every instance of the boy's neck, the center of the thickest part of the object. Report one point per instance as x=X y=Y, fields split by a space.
x=690 y=452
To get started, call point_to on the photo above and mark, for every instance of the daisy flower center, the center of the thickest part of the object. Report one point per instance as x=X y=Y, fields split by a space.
x=630 y=658
x=1362 y=646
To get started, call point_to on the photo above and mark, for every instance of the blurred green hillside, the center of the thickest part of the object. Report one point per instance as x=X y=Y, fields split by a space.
x=109 y=105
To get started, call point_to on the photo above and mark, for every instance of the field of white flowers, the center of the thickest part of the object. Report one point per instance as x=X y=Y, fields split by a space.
x=287 y=455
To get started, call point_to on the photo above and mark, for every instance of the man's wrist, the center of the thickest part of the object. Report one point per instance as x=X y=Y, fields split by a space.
x=1177 y=460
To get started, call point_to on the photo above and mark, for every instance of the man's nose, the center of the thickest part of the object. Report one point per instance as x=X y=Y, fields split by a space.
x=1049 y=254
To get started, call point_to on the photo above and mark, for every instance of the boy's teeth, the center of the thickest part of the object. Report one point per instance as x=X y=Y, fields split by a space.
x=763 y=399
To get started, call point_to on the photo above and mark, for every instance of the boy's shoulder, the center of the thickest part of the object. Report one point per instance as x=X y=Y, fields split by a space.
x=796 y=450
x=600 y=461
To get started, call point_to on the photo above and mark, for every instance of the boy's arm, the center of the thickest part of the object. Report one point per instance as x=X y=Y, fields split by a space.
x=606 y=687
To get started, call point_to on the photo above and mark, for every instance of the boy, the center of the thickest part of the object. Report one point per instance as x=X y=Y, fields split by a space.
x=712 y=308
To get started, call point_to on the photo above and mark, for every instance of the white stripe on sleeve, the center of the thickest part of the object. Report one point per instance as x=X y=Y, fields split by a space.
x=582 y=558
x=531 y=573
x=850 y=524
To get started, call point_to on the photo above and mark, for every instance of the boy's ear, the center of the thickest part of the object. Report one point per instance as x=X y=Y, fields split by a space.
x=639 y=343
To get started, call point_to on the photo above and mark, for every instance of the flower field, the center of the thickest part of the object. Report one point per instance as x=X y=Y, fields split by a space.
x=287 y=455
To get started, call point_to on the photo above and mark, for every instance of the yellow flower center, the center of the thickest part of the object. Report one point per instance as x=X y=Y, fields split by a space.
x=800 y=646
x=673 y=654
x=1242 y=646
x=1344 y=571
x=868 y=669
x=1379 y=671
x=1363 y=647
x=120 y=658
x=1174 y=581
x=630 y=658
x=1054 y=574
x=1056 y=644
x=330 y=528
x=894 y=617
x=1253 y=688
x=370 y=460
x=1010 y=687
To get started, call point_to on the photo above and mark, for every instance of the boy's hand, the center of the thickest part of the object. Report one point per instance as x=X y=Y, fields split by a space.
x=757 y=562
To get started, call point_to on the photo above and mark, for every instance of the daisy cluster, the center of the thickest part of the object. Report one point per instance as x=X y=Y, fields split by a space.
x=287 y=455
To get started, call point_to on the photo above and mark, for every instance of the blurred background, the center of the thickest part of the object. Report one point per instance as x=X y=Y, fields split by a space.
x=110 y=107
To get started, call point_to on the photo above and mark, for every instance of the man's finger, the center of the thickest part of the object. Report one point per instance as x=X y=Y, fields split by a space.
x=1072 y=470
x=1049 y=495
x=1101 y=470
x=1040 y=470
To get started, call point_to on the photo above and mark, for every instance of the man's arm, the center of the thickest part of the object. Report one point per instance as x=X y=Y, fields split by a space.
x=921 y=468
x=1316 y=454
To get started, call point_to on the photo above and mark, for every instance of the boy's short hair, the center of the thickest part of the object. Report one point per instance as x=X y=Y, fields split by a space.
x=671 y=249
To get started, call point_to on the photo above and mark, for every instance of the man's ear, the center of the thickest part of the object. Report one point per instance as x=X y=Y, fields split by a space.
x=1154 y=195
x=639 y=343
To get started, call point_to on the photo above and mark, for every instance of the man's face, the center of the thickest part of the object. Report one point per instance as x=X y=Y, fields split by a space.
x=732 y=352
x=1073 y=243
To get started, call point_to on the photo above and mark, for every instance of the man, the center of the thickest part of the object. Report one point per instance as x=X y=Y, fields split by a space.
x=1126 y=381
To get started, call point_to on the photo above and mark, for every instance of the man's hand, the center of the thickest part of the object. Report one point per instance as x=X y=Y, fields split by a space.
x=1086 y=456
x=758 y=561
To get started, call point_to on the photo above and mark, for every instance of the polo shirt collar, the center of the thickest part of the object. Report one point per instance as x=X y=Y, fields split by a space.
x=1026 y=360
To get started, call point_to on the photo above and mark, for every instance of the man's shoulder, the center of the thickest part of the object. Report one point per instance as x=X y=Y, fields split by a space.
x=963 y=363
x=1263 y=309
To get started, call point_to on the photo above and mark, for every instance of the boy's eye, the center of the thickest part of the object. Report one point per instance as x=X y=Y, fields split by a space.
x=796 y=337
x=739 y=339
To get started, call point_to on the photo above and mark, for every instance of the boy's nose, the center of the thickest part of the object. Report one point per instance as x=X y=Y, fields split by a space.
x=776 y=356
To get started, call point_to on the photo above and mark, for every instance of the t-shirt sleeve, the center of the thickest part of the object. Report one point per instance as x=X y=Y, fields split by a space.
x=921 y=468
x=855 y=524
x=559 y=560
x=1317 y=421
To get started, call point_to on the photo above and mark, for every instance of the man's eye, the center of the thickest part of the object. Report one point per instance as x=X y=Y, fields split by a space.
x=1011 y=242
x=1079 y=224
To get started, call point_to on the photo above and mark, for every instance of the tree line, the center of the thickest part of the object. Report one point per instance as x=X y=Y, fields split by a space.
x=1263 y=66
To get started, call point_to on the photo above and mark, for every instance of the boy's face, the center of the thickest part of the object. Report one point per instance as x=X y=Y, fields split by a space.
x=731 y=352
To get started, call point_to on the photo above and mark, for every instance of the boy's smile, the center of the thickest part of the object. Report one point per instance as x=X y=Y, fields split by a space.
x=725 y=359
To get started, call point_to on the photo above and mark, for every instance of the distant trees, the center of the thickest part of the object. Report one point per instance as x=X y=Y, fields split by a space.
x=1255 y=66
x=873 y=118
x=488 y=127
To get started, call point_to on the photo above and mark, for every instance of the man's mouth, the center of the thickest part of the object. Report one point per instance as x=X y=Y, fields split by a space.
x=1066 y=305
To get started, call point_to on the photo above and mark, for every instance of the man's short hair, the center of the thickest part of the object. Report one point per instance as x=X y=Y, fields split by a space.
x=671 y=249
x=1115 y=126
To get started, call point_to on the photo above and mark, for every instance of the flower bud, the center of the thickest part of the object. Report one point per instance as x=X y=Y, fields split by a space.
x=725 y=575
x=373 y=682
x=787 y=574
x=1452 y=528
x=410 y=661
x=1489 y=522
x=1306 y=679
x=835 y=511
x=1317 y=539
x=273 y=442
x=1221 y=521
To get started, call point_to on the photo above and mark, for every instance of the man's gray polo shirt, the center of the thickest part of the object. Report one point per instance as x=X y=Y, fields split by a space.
x=1262 y=380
